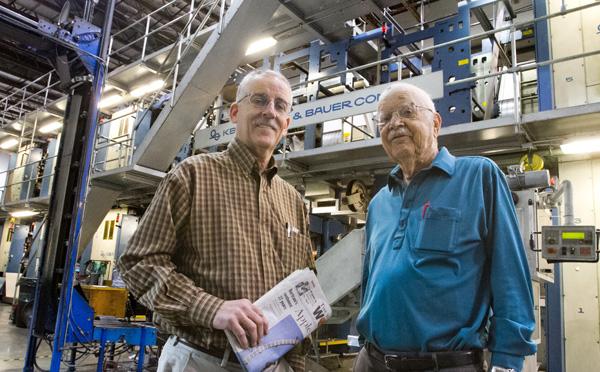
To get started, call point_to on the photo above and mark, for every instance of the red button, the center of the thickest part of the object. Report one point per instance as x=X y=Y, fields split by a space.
x=551 y=250
x=585 y=251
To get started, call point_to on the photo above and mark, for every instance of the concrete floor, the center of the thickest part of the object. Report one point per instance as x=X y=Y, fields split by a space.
x=14 y=344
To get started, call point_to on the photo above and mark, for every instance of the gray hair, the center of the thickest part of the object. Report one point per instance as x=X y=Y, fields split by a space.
x=259 y=74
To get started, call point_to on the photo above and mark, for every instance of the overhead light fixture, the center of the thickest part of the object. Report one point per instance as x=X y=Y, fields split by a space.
x=260 y=45
x=110 y=101
x=17 y=126
x=582 y=146
x=9 y=143
x=24 y=213
x=50 y=127
x=148 y=88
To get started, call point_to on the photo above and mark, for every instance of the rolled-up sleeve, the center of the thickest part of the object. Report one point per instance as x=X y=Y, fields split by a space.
x=147 y=265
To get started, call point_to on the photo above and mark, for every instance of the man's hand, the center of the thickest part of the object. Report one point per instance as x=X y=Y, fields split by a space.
x=244 y=320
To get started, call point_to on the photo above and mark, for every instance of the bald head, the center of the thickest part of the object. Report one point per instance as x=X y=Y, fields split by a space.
x=410 y=127
x=420 y=96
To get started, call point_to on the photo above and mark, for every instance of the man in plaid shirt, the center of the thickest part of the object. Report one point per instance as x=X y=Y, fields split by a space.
x=221 y=231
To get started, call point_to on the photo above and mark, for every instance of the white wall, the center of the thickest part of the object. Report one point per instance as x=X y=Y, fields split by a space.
x=576 y=82
x=104 y=249
x=581 y=280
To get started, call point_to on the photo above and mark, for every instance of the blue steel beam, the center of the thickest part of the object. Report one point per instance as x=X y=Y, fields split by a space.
x=542 y=53
x=91 y=121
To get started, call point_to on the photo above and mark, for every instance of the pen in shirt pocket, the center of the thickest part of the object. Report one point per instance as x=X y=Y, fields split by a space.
x=425 y=206
x=291 y=229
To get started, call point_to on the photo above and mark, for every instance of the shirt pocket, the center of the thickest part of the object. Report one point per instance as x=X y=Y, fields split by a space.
x=437 y=229
x=295 y=252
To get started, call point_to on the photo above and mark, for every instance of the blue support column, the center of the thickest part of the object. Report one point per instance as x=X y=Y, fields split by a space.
x=455 y=62
x=542 y=53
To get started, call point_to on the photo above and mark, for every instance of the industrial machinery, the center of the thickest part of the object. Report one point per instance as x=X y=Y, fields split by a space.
x=570 y=243
x=89 y=331
x=333 y=105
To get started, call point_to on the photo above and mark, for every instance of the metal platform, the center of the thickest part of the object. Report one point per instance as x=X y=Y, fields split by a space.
x=131 y=177
x=489 y=137
x=38 y=203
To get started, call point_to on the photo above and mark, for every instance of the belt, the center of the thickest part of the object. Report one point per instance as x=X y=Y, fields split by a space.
x=422 y=361
x=213 y=351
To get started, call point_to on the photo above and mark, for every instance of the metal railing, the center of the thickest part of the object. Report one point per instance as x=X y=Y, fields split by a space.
x=147 y=28
x=12 y=191
x=35 y=92
x=112 y=152
x=514 y=69
x=34 y=96
x=117 y=152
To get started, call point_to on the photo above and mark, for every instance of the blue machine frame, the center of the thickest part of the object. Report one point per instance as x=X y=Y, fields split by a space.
x=82 y=329
x=454 y=61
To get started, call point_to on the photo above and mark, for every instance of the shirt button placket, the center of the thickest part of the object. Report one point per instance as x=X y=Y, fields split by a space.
x=404 y=212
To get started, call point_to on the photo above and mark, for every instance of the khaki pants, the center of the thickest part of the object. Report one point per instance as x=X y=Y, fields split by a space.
x=177 y=357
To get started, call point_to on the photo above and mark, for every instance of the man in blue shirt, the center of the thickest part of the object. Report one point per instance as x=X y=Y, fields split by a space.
x=445 y=273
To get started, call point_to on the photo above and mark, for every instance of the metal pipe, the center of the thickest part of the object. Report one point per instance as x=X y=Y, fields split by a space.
x=221 y=16
x=565 y=188
x=145 y=37
x=176 y=71
x=18 y=16
x=189 y=28
x=513 y=51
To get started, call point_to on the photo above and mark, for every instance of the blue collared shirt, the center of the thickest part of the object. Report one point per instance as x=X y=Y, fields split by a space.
x=441 y=252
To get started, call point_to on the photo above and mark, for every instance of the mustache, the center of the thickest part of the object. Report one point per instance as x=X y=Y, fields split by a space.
x=267 y=123
x=398 y=131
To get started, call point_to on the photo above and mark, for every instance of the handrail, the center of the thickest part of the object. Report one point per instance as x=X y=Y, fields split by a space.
x=146 y=16
x=191 y=14
x=182 y=47
x=27 y=85
x=444 y=44
x=26 y=164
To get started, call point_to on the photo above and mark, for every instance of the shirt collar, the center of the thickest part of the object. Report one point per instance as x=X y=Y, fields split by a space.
x=443 y=161
x=244 y=158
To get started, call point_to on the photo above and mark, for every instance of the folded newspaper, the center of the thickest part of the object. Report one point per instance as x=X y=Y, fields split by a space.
x=294 y=307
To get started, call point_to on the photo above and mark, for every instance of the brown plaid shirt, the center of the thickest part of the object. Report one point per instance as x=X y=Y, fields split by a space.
x=216 y=230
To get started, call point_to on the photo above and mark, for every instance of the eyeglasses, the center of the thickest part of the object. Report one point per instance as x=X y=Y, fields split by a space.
x=410 y=111
x=261 y=101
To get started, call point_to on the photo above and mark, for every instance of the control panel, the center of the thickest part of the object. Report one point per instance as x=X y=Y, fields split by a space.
x=569 y=243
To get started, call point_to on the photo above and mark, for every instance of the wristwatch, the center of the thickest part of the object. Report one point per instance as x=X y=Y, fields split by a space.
x=500 y=369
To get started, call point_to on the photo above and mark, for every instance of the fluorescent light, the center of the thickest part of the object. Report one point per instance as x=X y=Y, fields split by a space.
x=148 y=88
x=584 y=146
x=17 y=126
x=50 y=127
x=24 y=213
x=260 y=45
x=110 y=101
x=9 y=143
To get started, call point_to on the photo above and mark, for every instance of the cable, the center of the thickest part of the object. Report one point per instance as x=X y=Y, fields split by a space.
x=35 y=358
